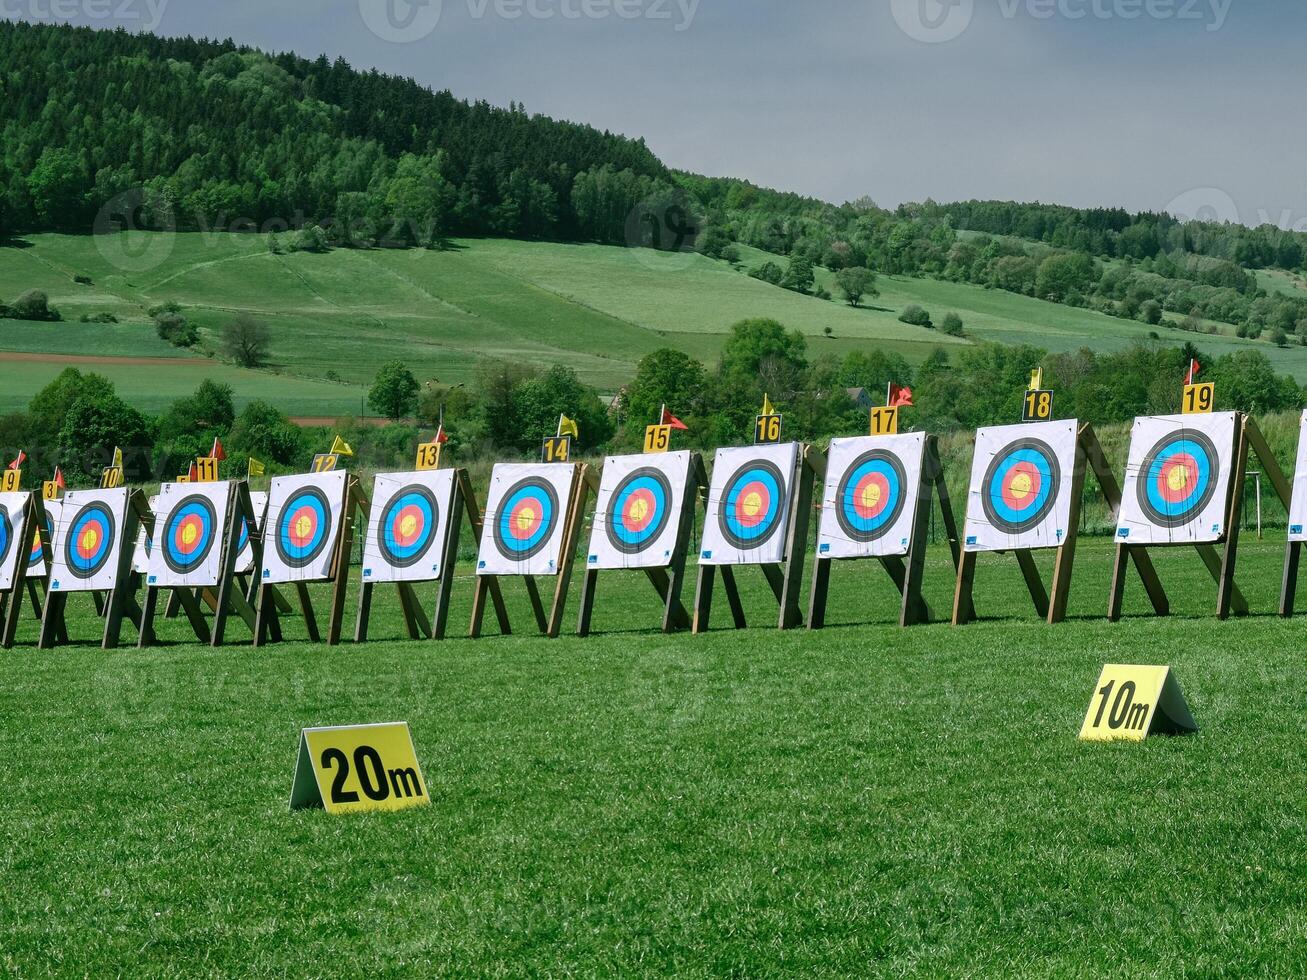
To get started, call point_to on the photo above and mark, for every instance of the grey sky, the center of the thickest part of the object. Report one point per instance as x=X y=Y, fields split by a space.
x=1084 y=102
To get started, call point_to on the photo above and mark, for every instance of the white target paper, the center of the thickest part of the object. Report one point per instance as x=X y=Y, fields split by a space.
x=88 y=540
x=408 y=526
x=1177 y=480
x=1020 y=494
x=190 y=531
x=303 y=527
x=748 y=513
x=38 y=562
x=526 y=513
x=15 y=535
x=141 y=547
x=638 y=515
x=870 y=500
x=1298 y=507
x=245 y=558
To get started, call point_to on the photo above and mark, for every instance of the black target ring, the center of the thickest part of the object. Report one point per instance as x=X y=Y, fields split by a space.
x=415 y=501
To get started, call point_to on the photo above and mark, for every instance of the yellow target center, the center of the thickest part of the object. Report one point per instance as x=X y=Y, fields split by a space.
x=1178 y=478
x=189 y=534
x=639 y=509
x=526 y=519
x=752 y=504
x=90 y=539
x=408 y=525
x=1020 y=486
x=870 y=495
x=303 y=528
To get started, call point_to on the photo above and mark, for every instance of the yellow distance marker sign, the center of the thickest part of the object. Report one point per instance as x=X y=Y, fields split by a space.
x=1199 y=399
x=1132 y=702
x=358 y=767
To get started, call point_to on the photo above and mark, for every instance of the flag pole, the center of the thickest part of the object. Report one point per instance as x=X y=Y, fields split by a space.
x=559 y=432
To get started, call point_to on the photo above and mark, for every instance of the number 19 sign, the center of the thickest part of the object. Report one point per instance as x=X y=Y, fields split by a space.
x=1131 y=703
x=357 y=767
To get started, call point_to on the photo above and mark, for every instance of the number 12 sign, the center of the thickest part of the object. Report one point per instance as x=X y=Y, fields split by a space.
x=358 y=767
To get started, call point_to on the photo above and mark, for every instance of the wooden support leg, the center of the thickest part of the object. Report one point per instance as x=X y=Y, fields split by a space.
x=733 y=597
x=365 y=611
x=448 y=560
x=537 y=607
x=1030 y=572
x=53 y=628
x=1215 y=567
x=34 y=594
x=703 y=599
x=1152 y=584
x=306 y=609
x=173 y=607
x=817 y=593
x=414 y=617
x=1289 y=586
x=195 y=613
x=589 y=581
x=964 y=610
x=1116 y=597
x=776 y=579
x=147 y=636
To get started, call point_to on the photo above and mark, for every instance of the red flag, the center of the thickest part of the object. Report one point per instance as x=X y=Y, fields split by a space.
x=217 y=451
x=59 y=478
x=18 y=461
x=192 y=474
x=1194 y=368
x=441 y=438
x=673 y=421
x=900 y=396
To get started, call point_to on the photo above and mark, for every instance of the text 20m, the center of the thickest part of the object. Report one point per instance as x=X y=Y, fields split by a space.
x=376 y=781
x=1126 y=713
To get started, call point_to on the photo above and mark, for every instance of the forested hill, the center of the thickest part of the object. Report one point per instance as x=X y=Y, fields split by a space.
x=216 y=132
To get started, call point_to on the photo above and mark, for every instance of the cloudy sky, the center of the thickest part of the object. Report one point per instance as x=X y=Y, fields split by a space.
x=1142 y=103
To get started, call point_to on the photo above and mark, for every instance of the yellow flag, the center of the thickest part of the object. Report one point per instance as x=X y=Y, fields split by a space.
x=1037 y=379
x=767 y=407
x=254 y=468
x=339 y=447
x=567 y=427
x=117 y=457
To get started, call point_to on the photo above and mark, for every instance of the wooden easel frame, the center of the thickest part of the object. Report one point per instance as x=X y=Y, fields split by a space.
x=1220 y=564
x=267 y=621
x=667 y=582
x=229 y=597
x=785 y=578
x=11 y=602
x=415 y=622
x=121 y=603
x=584 y=483
x=905 y=574
x=1051 y=605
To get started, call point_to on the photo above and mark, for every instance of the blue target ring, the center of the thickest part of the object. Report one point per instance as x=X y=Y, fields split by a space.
x=6 y=534
x=1021 y=485
x=526 y=519
x=871 y=495
x=303 y=527
x=641 y=507
x=753 y=505
x=1178 y=478
x=189 y=534
x=36 y=556
x=91 y=536
x=408 y=526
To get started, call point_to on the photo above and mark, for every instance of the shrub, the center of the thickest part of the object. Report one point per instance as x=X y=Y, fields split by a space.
x=768 y=272
x=98 y=318
x=176 y=329
x=34 y=305
x=951 y=324
x=915 y=315
x=83 y=280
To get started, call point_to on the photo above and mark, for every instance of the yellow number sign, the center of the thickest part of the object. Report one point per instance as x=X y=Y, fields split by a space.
x=49 y=489
x=1132 y=702
x=206 y=469
x=657 y=438
x=1199 y=399
x=428 y=457
x=557 y=449
x=1037 y=406
x=12 y=481
x=884 y=421
x=357 y=767
x=111 y=478
x=767 y=430
x=325 y=462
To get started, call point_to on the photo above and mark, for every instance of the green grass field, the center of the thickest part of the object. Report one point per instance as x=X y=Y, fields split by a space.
x=335 y=318
x=864 y=801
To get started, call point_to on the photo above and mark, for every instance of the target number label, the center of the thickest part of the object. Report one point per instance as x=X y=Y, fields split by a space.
x=357 y=767
x=49 y=490
x=1037 y=405
x=428 y=457
x=1130 y=702
x=206 y=469
x=884 y=421
x=1199 y=399
x=12 y=481
x=767 y=430
x=657 y=438
x=556 y=449
x=325 y=462
x=111 y=478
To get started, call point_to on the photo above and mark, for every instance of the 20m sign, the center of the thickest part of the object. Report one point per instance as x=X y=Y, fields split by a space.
x=358 y=767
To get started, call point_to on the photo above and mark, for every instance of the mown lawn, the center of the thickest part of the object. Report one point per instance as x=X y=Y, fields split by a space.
x=864 y=800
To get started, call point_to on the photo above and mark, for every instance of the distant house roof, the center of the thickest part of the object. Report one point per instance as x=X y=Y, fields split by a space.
x=860 y=397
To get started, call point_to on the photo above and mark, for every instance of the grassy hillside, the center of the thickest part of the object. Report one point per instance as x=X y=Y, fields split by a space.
x=336 y=317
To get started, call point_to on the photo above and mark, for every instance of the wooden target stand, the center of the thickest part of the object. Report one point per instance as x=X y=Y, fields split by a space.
x=584 y=483
x=121 y=602
x=906 y=574
x=1052 y=606
x=229 y=597
x=11 y=601
x=667 y=582
x=1220 y=564
x=415 y=622
x=785 y=578
x=267 y=619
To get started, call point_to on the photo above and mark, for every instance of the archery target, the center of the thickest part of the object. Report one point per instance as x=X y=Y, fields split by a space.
x=190 y=527
x=1298 y=504
x=141 y=548
x=638 y=514
x=1021 y=477
x=245 y=550
x=302 y=526
x=870 y=499
x=88 y=540
x=1177 y=479
x=749 y=505
x=13 y=533
x=36 y=556
x=525 y=516
x=409 y=526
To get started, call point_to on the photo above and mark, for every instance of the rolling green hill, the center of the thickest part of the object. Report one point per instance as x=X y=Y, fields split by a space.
x=335 y=317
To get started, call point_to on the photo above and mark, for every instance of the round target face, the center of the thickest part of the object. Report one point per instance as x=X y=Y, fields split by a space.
x=90 y=539
x=871 y=495
x=36 y=555
x=408 y=526
x=752 y=505
x=1021 y=485
x=189 y=534
x=6 y=534
x=303 y=528
x=1178 y=478
x=527 y=515
x=641 y=507
x=245 y=536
